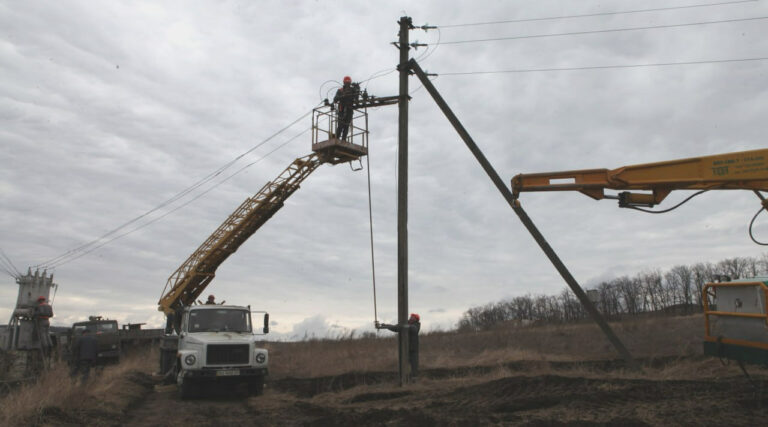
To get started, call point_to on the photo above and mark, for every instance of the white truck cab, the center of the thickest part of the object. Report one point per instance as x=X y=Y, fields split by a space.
x=216 y=343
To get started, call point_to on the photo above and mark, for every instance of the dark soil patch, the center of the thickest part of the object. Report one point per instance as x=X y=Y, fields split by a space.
x=309 y=387
x=368 y=397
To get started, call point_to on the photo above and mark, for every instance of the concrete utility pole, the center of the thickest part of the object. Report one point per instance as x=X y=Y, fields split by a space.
x=402 y=201
x=524 y=218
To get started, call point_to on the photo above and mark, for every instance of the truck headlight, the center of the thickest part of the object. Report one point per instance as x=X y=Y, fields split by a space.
x=190 y=359
x=261 y=357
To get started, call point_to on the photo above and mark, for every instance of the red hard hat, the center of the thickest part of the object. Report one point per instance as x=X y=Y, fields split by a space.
x=41 y=298
x=415 y=317
x=347 y=79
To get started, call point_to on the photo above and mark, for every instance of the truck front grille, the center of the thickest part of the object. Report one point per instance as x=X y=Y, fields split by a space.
x=228 y=354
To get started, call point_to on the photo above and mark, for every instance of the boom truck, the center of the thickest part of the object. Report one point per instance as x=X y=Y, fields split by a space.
x=735 y=312
x=207 y=343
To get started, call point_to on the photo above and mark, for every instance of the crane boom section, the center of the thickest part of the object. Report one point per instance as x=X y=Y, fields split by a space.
x=191 y=278
x=746 y=170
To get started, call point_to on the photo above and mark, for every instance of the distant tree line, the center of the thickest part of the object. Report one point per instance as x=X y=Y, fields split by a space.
x=677 y=291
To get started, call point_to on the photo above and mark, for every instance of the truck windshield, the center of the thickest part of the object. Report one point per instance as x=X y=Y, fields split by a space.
x=219 y=320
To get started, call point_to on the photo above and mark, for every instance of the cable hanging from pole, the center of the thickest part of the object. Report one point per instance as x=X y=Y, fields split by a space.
x=370 y=221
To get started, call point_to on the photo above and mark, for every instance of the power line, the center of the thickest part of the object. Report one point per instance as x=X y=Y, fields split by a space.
x=9 y=264
x=152 y=221
x=196 y=185
x=658 y=9
x=598 y=67
x=614 y=30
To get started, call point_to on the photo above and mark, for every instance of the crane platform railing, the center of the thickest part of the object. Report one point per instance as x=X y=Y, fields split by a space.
x=329 y=146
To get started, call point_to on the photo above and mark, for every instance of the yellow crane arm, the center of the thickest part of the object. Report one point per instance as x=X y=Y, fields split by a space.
x=191 y=278
x=746 y=170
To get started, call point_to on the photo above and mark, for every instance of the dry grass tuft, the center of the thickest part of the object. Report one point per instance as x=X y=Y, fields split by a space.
x=58 y=398
x=648 y=338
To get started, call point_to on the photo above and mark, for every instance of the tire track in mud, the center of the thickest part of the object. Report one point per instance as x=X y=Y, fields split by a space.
x=518 y=399
x=309 y=387
x=219 y=407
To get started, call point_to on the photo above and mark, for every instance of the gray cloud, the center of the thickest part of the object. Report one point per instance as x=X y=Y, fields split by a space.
x=88 y=146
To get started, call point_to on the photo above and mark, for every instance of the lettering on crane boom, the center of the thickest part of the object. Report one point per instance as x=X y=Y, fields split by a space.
x=739 y=166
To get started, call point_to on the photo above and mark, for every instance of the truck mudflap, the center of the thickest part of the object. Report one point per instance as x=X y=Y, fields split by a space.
x=225 y=373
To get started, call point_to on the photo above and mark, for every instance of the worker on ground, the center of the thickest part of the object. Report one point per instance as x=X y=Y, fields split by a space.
x=344 y=99
x=42 y=315
x=211 y=300
x=413 y=325
x=84 y=354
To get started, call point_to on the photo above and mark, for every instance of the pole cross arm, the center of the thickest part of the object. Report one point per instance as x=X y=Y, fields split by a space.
x=746 y=170
x=374 y=101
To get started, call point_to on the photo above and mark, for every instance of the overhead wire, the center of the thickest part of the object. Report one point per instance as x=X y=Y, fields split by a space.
x=611 y=30
x=7 y=263
x=587 y=15
x=598 y=67
x=60 y=263
x=5 y=267
x=84 y=247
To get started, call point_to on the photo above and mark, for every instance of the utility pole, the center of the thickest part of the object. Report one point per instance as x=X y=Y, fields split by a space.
x=402 y=201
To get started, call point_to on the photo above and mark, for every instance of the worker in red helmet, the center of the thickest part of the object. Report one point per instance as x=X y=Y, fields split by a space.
x=211 y=300
x=344 y=100
x=42 y=315
x=413 y=326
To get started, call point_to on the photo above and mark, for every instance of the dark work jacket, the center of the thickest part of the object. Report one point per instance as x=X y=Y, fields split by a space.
x=43 y=311
x=86 y=348
x=346 y=96
x=413 y=334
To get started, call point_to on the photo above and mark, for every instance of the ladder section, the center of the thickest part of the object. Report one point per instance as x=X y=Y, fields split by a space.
x=191 y=278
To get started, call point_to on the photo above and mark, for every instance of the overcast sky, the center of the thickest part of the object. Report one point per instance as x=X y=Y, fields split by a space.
x=108 y=109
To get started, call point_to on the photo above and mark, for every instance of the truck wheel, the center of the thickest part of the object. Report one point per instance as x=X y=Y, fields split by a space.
x=187 y=390
x=256 y=386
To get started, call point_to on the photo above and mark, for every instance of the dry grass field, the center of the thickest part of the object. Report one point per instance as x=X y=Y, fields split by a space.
x=548 y=375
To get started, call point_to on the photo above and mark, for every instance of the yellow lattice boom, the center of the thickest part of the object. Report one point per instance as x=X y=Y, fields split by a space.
x=191 y=278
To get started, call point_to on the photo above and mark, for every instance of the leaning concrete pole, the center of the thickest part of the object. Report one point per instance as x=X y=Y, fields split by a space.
x=402 y=202
x=527 y=222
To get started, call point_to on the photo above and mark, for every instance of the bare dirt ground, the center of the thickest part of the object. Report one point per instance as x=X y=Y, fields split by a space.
x=588 y=393
x=535 y=383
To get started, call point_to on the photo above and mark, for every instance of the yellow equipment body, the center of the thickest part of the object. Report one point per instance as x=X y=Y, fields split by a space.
x=736 y=320
x=746 y=170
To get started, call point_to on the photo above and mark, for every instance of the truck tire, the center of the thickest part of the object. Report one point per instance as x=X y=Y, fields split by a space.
x=256 y=386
